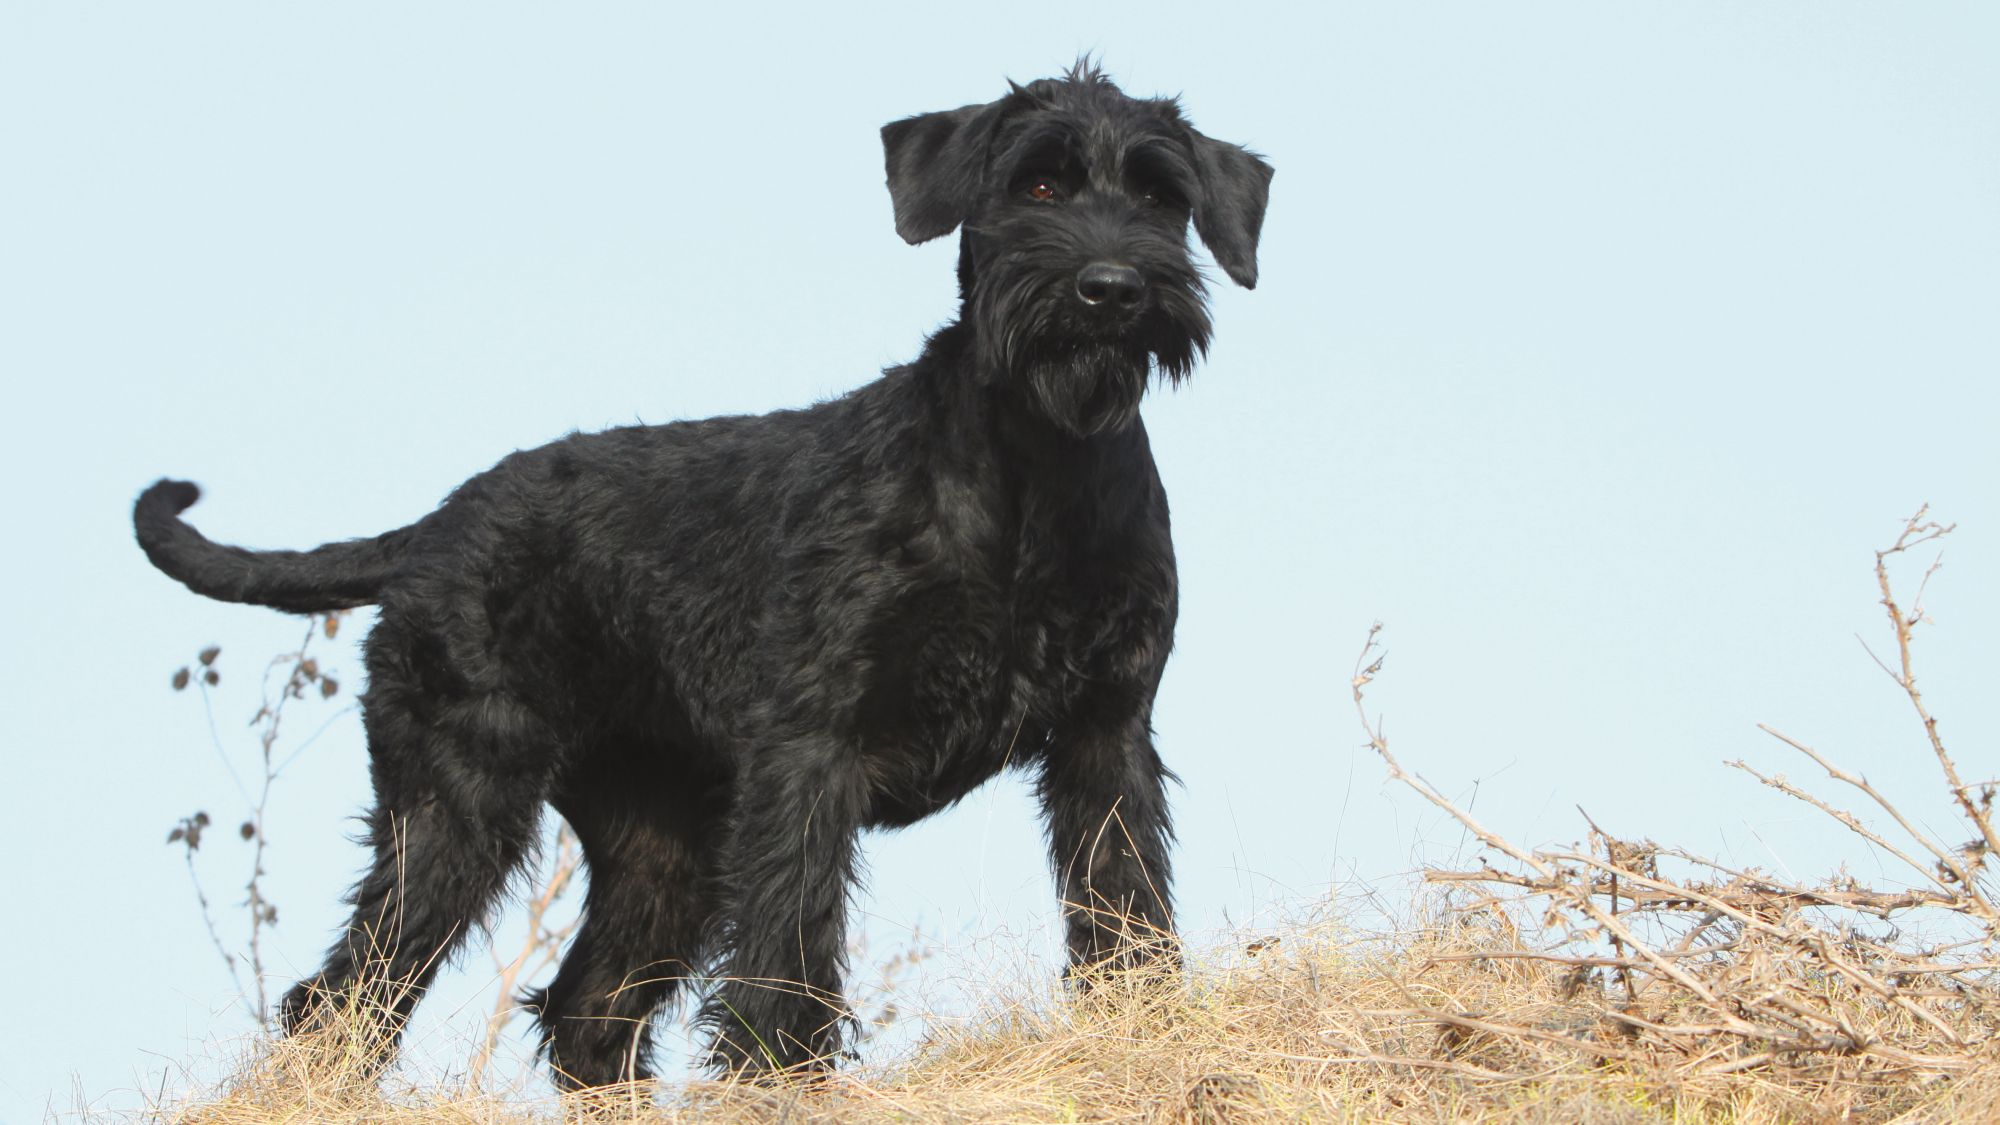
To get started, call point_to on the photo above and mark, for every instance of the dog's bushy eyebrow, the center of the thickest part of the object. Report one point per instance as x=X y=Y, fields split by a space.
x=1054 y=143
x=1047 y=143
x=1160 y=160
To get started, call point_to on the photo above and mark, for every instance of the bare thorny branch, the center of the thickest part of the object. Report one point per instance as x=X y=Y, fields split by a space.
x=301 y=675
x=1721 y=971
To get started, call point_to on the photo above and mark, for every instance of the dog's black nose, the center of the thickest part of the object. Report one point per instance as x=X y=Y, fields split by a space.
x=1101 y=283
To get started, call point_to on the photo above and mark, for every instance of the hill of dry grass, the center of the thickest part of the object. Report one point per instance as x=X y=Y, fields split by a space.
x=1616 y=981
x=1318 y=1025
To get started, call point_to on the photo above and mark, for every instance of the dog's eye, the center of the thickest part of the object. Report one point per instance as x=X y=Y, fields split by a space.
x=1043 y=190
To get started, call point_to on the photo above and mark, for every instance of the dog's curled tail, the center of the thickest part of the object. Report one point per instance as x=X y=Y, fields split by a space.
x=336 y=576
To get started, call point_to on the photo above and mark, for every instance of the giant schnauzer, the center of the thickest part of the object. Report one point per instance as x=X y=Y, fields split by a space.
x=721 y=649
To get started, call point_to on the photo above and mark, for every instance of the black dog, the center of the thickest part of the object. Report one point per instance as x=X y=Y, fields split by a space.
x=721 y=649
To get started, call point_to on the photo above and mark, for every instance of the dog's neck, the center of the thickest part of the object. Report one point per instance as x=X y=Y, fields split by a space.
x=1083 y=391
x=983 y=417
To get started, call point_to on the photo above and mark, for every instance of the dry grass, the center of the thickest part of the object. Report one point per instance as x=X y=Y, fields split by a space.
x=1615 y=982
x=1444 y=1024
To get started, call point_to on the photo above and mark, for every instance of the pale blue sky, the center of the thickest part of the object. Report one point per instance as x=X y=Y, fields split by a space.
x=1595 y=348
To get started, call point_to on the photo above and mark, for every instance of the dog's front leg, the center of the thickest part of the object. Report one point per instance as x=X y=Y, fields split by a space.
x=1103 y=792
x=790 y=862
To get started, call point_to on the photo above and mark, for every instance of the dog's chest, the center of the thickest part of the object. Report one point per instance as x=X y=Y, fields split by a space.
x=976 y=692
x=993 y=655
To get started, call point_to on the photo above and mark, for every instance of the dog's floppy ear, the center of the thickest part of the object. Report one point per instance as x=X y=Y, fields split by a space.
x=936 y=162
x=1230 y=213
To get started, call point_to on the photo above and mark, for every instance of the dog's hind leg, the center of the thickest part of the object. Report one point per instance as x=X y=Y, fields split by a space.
x=788 y=867
x=649 y=840
x=458 y=799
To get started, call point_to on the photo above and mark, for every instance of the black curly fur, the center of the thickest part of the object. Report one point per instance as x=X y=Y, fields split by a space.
x=722 y=648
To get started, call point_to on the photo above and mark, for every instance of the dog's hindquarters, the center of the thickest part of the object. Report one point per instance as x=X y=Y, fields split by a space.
x=461 y=768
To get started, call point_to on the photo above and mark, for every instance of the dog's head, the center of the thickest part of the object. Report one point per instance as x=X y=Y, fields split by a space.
x=1074 y=265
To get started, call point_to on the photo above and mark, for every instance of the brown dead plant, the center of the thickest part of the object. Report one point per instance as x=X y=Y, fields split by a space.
x=298 y=676
x=1692 y=971
x=541 y=943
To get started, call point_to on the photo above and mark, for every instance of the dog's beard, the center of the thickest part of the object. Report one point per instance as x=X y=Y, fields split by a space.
x=1091 y=387
x=1080 y=376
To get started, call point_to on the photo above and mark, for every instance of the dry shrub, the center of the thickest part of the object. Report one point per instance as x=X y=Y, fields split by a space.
x=1617 y=982
x=1836 y=997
